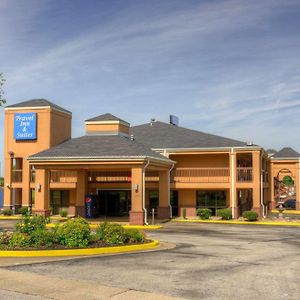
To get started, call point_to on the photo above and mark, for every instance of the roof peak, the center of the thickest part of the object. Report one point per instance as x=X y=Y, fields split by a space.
x=287 y=152
x=106 y=117
x=39 y=102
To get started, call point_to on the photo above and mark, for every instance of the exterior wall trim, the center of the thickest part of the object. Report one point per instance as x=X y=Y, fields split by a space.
x=225 y=149
x=106 y=122
x=37 y=108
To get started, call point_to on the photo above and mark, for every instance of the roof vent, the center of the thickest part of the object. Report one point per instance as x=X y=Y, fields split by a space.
x=249 y=143
x=152 y=121
x=174 y=120
x=132 y=137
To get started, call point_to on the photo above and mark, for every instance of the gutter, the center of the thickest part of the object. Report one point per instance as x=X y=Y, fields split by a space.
x=262 y=186
x=144 y=188
x=232 y=182
x=208 y=149
x=171 y=215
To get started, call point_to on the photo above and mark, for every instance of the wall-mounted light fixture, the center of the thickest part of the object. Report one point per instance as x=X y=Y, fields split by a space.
x=39 y=187
x=7 y=185
x=11 y=153
x=136 y=187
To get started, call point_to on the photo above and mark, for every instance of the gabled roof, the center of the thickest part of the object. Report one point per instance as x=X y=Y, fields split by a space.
x=105 y=117
x=98 y=147
x=161 y=135
x=38 y=103
x=286 y=152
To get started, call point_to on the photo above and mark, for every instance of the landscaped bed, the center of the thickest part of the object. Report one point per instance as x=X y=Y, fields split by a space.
x=31 y=233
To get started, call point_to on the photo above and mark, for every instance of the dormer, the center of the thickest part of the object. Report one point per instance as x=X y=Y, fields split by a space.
x=106 y=124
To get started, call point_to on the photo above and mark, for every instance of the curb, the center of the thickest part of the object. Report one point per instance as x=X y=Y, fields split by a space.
x=93 y=226
x=287 y=212
x=79 y=252
x=239 y=222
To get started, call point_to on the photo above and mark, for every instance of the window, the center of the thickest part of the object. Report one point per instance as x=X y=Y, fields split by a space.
x=211 y=199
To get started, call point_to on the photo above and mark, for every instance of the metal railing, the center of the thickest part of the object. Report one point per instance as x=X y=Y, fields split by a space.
x=62 y=176
x=201 y=175
x=244 y=174
x=17 y=176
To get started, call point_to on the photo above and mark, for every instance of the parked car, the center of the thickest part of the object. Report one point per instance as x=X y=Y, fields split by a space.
x=290 y=204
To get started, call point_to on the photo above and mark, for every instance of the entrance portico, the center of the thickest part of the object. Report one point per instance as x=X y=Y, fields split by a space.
x=83 y=178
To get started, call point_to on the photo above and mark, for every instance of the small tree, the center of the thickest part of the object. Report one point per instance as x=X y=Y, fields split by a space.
x=2 y=80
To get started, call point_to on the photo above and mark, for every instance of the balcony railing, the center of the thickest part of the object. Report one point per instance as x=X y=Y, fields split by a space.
x=63 y=176
x=109 y=177
x=17 y=175
x=244 y=174
x=201 y=175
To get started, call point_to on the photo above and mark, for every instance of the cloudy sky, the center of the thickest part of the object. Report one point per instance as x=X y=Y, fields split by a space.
x=225 y=67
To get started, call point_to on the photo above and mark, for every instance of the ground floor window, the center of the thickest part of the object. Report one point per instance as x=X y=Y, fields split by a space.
x=153 y=199
x=59 y=200
x=174 y=202
x=32 y=197
x=245 y=200
x=213 y=200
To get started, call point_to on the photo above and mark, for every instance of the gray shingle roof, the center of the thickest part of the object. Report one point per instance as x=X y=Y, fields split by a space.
x=38 y=103
x=105 y=117
x=162 y=135
x=287 y=152
x=98 y=146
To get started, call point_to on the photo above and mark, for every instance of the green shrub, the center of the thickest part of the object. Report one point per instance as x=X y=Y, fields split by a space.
x=42 y=237
x=63 y=213
x=19 y=240
x=184 y=213
x=29 y=224
x=250 y=215
x=7 y=212
x=225 y=214
x=24 y=211
x=204 y=213
x=134 y=235
x=112 y=234
x=74 y=233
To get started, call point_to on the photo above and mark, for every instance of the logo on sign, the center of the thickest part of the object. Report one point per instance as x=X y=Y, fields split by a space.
x=25 y=126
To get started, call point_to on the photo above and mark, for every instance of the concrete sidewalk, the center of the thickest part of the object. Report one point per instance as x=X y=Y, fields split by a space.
x=25 y=285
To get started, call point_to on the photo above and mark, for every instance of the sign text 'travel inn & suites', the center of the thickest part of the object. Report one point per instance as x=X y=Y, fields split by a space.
x=25 y=126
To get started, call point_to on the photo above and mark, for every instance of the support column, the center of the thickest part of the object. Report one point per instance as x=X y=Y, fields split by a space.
x=256 y=168
x=297 y=183
x=80 y=193
x=7 y=197
x=272 y=189
x=136 y=215
x=233 y=192
x=163 y=211
x=42 y=192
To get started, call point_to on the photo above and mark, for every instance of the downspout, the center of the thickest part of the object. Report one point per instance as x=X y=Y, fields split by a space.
x=232 y=183
x=169 y=191
x=144 y=200
x=297 y=194
x=262 y=185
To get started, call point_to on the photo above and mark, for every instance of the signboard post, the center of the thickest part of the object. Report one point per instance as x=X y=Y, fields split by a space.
x=25 y=126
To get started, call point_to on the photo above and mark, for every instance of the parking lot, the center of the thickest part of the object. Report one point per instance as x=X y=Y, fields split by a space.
x=209 y=262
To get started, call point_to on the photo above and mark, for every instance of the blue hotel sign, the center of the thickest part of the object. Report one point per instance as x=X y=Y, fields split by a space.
x=25 y=126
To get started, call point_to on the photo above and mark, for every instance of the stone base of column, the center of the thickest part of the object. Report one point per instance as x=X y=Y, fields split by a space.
x=136 y=218
x=190 y=212
x=236 y=213
x=43 y=212
x=163 y=212
x=258 y=210
x=80 y=211
x=297 y=205
x=273 y=204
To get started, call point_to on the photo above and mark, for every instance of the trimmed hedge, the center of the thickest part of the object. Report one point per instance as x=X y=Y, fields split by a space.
x=112 y=234
x=225 y=214
x=204 y=213
x=250 y=215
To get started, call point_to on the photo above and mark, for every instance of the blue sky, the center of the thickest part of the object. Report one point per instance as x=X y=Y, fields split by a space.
x=225 y=67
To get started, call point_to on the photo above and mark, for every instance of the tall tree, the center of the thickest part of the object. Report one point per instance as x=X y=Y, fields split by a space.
x=2 y=80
